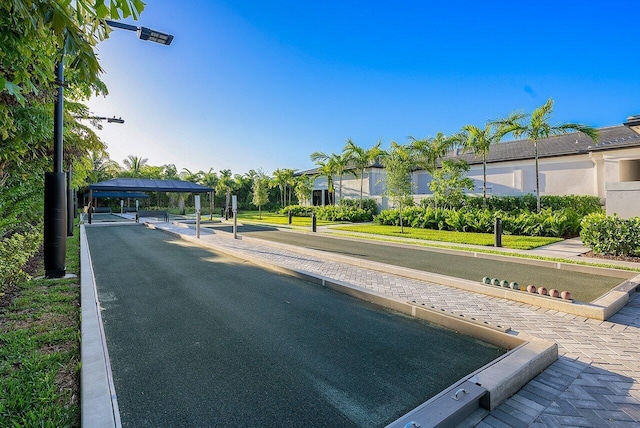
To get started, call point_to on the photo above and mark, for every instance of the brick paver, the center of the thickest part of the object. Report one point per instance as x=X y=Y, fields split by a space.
x=594 y=383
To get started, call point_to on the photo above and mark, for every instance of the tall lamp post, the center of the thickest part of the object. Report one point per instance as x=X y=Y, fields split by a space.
x=55 y=197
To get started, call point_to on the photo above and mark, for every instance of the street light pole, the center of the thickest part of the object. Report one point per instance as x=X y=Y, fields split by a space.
x=55 y=202
x=55 y=195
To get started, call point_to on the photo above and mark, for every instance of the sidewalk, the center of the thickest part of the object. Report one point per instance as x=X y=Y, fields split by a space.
x=595 y=382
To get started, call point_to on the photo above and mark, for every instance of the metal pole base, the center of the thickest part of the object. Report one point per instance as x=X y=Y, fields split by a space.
x=55 y=224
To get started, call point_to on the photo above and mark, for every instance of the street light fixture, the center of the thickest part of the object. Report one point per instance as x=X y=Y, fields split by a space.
x=55 y=197
x=144 y=33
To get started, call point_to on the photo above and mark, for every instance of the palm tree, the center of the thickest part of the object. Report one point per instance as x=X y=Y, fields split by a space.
x=210 y=179
x=340 y=163
x=225 y=185
x=102 y=168
x=429 y=151
x=360 y=158
x=327 y=169
x=280 y=180
x=538 y=128
x=134 y=165
x=479 y=141
x=290 y=182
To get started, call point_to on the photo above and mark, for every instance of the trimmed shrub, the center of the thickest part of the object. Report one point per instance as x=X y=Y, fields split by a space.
x=343 y=213
x=298 y=210
x=611 y=235
x=368 y=204
x=15 y=252
x=581 y=204
x=562 y=223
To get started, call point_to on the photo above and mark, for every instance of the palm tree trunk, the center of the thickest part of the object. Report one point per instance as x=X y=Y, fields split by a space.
x=484 y=186
x=535 y=144
x=211 y=205
x=361 y=183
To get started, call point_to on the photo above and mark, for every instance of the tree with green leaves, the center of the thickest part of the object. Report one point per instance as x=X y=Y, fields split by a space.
x=303 y=188
x=36 y=35
x=210 y=179
x=260 y=190
x=339 y=164
x=283 y=179
x=102 y=167
x=398 y=162
x=537 y=127
x=134 y=165
x=226 y=186
x=449 y=183
x=280 y=181
x=360 y=158
x=428 y=151
x=327 y=170
x=479 y=142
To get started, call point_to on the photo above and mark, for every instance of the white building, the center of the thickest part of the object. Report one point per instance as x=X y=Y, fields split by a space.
x=569 y=164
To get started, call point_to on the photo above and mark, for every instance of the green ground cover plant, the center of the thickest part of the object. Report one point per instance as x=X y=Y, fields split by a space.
x=40 y=349
x=486 y=239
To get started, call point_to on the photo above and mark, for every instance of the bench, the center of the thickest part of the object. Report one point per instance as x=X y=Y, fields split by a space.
x=159 y=214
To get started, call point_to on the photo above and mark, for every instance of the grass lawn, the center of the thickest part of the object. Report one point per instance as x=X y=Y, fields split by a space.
x=273 y=218
x=487 y=239
x=40 y=350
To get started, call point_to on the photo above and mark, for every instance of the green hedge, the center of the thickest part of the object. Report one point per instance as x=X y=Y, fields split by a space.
x=611 y=235
x=368 y=204
x=581 y=204
x=343 y=213
x=15 y=252
x=348 y=210
x=298 y=210
x=560 y=223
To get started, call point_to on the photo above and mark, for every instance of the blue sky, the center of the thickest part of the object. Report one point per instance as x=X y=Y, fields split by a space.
x=263 y=84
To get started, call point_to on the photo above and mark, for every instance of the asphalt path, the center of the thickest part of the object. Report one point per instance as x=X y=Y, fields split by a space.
x=197 y=338
x=583 y=286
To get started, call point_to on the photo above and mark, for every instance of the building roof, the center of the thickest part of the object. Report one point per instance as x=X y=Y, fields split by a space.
x=575 y=143
x=149 y=185
x=114 y=194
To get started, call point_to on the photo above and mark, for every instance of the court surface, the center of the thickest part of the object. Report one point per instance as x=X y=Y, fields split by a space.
x=585 y=287
x=200 y=339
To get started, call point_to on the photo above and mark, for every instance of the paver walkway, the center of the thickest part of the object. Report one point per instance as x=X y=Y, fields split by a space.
x=594 y=383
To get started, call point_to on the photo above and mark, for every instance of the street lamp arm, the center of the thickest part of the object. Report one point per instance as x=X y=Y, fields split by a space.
x=116 y=24
x=144 y=33
x=108 y=119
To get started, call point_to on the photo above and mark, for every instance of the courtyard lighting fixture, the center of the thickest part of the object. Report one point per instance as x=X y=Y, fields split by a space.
x=55 y=196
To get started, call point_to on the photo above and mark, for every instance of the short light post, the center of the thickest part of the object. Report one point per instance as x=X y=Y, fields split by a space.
x=55 y=195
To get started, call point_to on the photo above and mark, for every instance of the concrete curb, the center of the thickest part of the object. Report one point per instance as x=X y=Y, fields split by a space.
x=98 y=402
